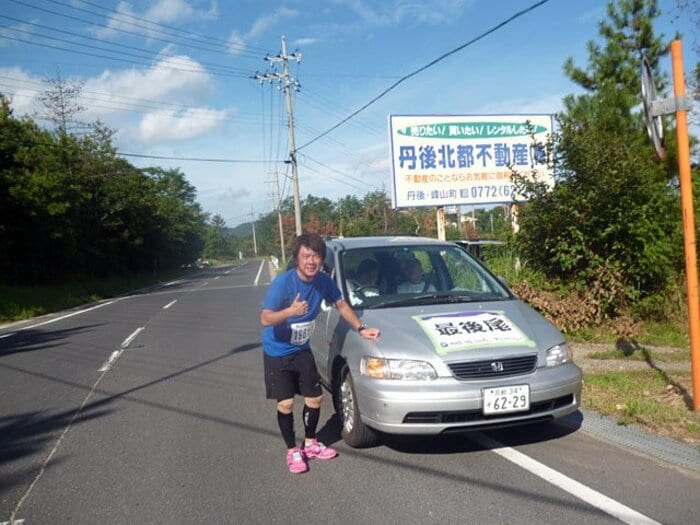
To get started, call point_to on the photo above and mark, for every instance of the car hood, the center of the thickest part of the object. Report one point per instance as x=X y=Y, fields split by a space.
x=410 y=332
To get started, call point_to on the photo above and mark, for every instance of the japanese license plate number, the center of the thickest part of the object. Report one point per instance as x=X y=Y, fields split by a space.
x=505 y=399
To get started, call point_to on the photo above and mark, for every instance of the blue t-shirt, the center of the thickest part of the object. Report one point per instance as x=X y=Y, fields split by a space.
x=294 y=333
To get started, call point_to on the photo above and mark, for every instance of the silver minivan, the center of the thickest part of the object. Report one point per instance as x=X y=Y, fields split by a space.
x=457 y=352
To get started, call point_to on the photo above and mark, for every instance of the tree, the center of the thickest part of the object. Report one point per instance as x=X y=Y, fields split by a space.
x=61 y=104
x=611 y=223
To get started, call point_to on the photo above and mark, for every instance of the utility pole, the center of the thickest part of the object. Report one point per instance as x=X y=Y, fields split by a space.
x=287 y=82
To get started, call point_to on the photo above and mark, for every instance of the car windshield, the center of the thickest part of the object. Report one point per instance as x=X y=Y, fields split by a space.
x=380 y=277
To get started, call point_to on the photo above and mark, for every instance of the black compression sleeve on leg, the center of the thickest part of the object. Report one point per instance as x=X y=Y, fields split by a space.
x=286 y=423
x=311 y=416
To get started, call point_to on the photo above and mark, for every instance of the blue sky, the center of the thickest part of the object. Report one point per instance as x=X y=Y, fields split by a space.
x=177 y=83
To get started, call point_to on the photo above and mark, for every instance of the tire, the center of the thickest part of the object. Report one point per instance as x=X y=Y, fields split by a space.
x=354 y=432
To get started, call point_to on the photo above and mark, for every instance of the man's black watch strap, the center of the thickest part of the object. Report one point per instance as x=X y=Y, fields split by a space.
x=361 y=327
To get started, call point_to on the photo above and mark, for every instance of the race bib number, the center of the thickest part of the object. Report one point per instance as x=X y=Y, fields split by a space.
x=301 y=332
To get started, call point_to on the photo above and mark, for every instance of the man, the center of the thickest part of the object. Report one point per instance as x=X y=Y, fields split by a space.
x=366 y=277
x=288 y=316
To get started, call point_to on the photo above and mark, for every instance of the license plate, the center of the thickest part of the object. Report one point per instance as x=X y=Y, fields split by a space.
x=505 y=399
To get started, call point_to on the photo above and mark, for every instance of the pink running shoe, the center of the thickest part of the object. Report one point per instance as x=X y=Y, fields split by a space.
x=296 y=461
x=316 y=449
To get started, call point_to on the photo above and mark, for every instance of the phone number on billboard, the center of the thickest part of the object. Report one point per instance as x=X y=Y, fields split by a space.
x=491 y=190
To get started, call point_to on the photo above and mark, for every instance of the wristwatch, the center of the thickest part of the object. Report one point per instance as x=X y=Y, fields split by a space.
x=361 y=327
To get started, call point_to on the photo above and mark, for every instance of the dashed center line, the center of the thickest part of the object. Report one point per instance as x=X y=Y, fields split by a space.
x=115 y=355
x=169 y=304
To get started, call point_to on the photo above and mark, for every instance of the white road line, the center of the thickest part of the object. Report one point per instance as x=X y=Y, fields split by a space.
x=257 y=277
x=128 y=340
x=3 y=337
x=58 y=318
x=112 y=359
x=115 y=355
x=573 y=487
x=218 y=276
x=173 y=282
x=169 y=304
x=228 y=272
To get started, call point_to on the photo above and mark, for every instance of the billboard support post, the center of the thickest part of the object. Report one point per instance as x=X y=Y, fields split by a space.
x=440 y=216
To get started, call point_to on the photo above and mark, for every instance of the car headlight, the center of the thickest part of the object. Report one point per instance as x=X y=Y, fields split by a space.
x=380 y=368
x=558 y=355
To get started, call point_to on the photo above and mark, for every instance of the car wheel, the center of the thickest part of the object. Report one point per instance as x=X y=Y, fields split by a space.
x=354 y=432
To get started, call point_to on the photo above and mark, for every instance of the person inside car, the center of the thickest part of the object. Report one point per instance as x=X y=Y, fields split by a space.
x=365 y=281
x=416 y=282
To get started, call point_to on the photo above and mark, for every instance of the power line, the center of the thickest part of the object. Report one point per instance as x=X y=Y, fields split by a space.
x=70 y=17
x=143 y=156
x=337 y=179
x=192 y=159
x=125 y=46
x=423 y=68
x=137 y=101
x=199 y=71
x=340 y=172
x=220 y=68
x=186 y=33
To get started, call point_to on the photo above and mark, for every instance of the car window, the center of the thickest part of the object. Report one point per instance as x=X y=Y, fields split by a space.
x=381 y=276
x=466 y=275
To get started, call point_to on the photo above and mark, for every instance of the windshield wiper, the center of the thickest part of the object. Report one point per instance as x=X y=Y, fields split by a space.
x=450 y=297
x=406 y=301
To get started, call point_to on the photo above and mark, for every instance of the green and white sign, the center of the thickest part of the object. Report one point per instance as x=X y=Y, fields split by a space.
x=442 y=160
x=452 y=332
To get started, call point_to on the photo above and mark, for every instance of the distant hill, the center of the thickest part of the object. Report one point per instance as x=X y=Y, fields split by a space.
x=241 y=231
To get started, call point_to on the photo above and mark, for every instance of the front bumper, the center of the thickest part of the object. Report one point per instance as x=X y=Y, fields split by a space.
x=451 y=405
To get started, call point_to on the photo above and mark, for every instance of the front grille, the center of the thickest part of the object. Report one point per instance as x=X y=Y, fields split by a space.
x=469 y=416
x=510 y=366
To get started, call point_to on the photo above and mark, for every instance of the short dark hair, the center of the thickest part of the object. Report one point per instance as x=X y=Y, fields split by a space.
x=366 y=266
x=311 y=241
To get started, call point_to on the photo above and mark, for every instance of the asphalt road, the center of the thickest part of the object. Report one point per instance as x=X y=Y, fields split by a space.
x=151 y=409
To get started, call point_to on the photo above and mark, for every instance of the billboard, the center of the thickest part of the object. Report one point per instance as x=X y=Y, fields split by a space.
x=443 y=160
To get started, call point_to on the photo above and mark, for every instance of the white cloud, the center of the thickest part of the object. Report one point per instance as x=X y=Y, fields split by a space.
x=299 y=42
x=405 y=11
x=547 y=104
x=169 y=11
x=231 y=193
x=161 y=82
x=167 y=125
x=161 y=12
x=22 y=90
x=264 y=23
x=237 y=42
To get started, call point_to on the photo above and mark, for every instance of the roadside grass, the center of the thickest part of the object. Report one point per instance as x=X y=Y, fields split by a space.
x=654 y=399
x=650 y=333
x=19 y=302
x=678 y=355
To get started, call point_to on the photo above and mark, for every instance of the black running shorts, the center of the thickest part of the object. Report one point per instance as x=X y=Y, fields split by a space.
x=291 y=374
